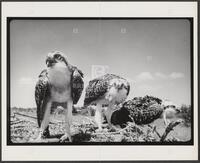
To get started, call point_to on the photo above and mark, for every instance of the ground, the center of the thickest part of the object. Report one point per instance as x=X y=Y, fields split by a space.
x=24 y=129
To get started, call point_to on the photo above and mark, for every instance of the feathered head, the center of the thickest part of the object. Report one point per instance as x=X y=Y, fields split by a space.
x=120 y=83
x=55 y=57
x=167 y=104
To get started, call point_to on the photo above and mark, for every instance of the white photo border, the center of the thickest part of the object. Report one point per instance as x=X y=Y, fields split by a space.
x=97 y=9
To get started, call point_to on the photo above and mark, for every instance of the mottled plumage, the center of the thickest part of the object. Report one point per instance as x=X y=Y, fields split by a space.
x=77 y=84
x=60 y=83
x=42 y=90
x=99 y=86
x=42 y=94
x=107 y=90
x=143 y=110
x=139 y=110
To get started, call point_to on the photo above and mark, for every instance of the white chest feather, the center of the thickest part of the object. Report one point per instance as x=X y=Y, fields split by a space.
x=115 y=95
x=170 y=113
x=60 y=77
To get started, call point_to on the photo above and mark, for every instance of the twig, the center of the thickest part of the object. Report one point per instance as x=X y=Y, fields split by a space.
x=52 y=140
x=118 y=131
x=90 y=120
x=170 y=128
x=13 y=123
x=25 y=115
x=35 y=118
x=106 y=133
x=155 y=130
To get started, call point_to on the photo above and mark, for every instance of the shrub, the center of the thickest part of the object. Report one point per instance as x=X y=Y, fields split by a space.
x=185 y=113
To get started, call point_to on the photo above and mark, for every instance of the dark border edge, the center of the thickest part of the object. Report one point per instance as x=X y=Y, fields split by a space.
x=9 y=19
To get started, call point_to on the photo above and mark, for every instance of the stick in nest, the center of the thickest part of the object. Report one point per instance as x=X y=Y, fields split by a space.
x=14 y=123
x=119 y=131
x=169 y=128
x=154 y=129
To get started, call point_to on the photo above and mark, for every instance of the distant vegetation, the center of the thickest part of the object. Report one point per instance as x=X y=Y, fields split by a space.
x=185 y=114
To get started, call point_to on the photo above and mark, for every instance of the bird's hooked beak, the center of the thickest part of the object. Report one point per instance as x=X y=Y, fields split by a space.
x=50 y=61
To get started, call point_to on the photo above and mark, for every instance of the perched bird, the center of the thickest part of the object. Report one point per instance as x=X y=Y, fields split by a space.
x=170 y=111
x=59 y=83
x=143 y=110
x=107 y=90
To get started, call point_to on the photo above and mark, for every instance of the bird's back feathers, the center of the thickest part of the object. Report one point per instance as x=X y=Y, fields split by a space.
x=98 y=87
x=42 y=93
x=77 y=84
x=141 y=110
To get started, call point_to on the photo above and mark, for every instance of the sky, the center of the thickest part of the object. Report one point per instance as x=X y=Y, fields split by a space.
x=152 y=54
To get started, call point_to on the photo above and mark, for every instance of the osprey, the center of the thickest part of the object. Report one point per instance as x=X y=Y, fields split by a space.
x=143 y=110
x=107 y=90
x=59 y=83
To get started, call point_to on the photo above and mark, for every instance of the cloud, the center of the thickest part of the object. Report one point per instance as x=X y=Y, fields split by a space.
x=173 y=75
x=145 y=76
x=145 y=87
x=26 y=81
x=148 y=88
x=161 y=75
x=176 y=75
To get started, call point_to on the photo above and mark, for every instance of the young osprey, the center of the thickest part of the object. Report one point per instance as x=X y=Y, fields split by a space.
x=60 y=83
x=107 y=90
x=143 y=110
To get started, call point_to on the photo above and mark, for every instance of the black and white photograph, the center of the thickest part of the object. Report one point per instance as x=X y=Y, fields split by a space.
x=100 y=81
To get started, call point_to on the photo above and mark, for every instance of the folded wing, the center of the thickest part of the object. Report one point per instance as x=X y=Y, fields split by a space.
x=97 y=88
x=42 y=93
x=77 y=84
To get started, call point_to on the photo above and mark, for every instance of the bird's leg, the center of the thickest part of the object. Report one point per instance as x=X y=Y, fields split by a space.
x=166 y=122
x=98 y=116
x=68 y=122
x=45 y=122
